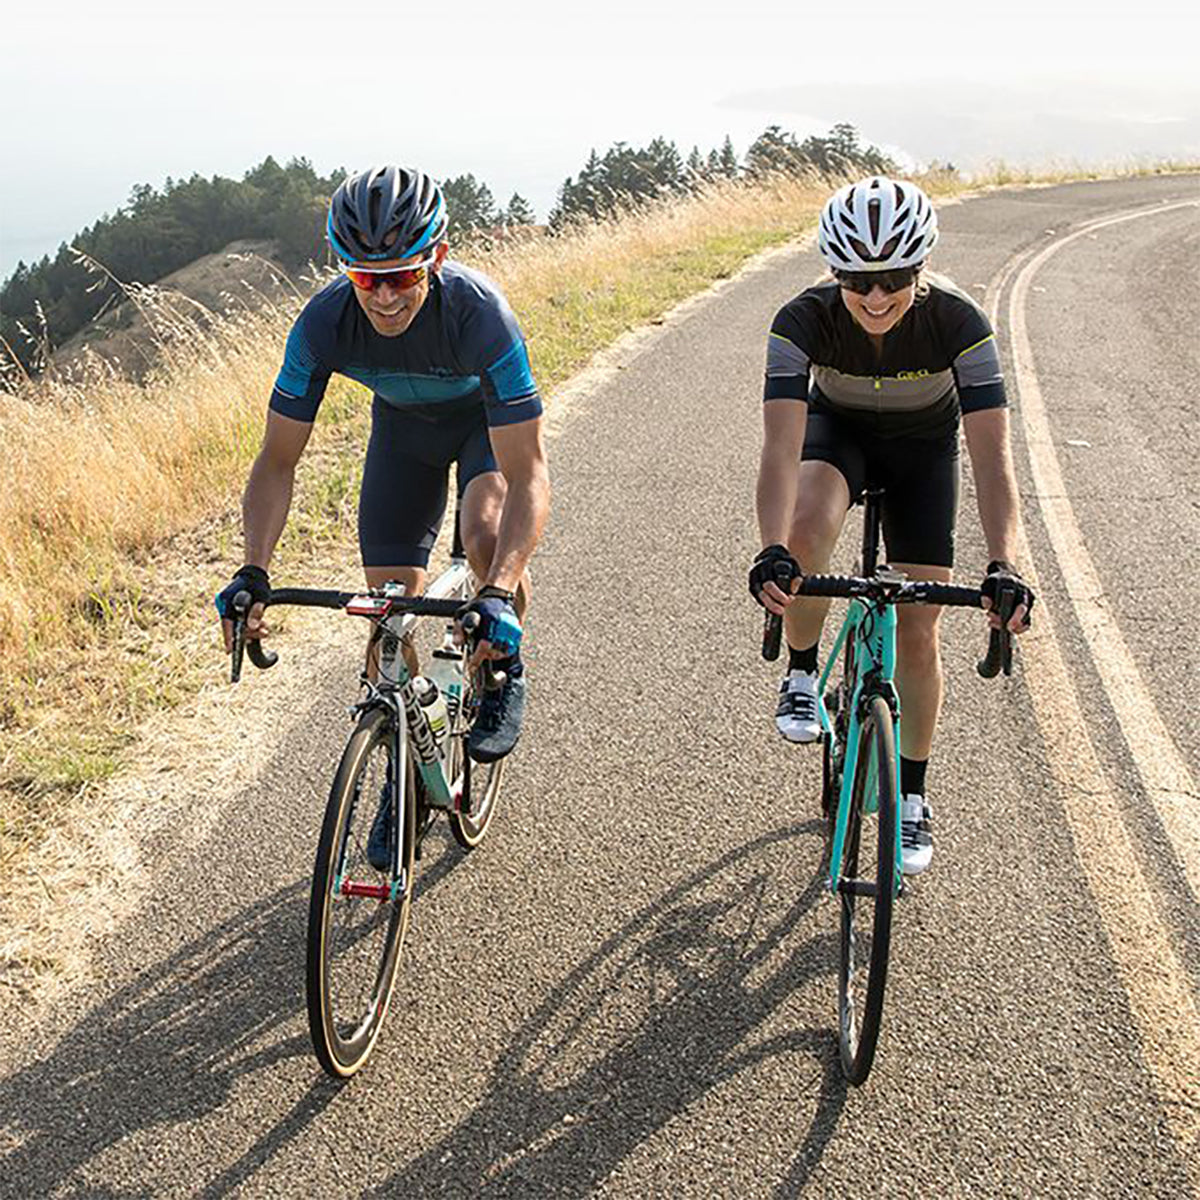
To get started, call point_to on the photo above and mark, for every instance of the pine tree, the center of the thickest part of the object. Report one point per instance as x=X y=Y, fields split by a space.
x=729 y=161
x=519 y=211
x=469 y=203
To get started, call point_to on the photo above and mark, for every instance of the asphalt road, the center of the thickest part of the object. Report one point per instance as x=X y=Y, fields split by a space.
x=629 y=989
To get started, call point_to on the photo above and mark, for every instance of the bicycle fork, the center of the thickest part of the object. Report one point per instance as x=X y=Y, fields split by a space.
x=875 y=651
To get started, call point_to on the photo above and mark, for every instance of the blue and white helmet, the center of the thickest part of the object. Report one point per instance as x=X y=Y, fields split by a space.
x=384 y=213
x=877 y=224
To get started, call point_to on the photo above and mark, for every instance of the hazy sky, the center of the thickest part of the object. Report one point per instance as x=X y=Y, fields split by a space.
x=100 y=97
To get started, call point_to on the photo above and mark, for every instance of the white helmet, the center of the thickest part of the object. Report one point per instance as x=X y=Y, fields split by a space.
x=877 y=224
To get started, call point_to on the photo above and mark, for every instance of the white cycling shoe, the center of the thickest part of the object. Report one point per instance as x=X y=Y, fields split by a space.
x=796 y=716
x=916 y=835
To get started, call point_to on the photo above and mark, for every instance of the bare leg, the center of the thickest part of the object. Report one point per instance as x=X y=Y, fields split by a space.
x=919 y=666
x=822 y=501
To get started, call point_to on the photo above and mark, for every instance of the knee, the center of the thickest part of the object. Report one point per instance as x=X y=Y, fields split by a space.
x=479 y=541
x=917 y=636
x=812 y=537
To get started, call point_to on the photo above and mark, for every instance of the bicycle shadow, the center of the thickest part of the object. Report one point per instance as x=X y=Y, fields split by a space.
x=579 y=1088
x=167 y=1049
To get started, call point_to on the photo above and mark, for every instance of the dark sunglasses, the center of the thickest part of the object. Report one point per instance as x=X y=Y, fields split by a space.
x=401 y=280
x=861 y=282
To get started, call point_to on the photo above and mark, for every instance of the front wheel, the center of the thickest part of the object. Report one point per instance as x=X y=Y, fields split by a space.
x=867 y=889
x=358 y=915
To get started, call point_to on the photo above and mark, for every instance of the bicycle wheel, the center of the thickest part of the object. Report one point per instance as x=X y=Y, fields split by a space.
x=866 y=889
x=480 y=782
x=357 y=916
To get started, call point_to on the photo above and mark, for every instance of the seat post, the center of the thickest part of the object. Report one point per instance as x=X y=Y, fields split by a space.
x=872 y=520
x=456 y=545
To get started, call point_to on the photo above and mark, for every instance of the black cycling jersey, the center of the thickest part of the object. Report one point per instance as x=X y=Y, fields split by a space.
x=938 y=361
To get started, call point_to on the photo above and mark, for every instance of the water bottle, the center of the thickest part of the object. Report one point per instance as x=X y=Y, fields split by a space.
x=433 y=703
x=446 y=670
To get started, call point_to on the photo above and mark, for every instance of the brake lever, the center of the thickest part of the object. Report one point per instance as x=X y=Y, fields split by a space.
x=490 y=679
x=999 y=653
x=242 y=645
x=772 y=638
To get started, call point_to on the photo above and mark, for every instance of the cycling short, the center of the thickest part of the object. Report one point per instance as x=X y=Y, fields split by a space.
x=919 y=477
x=405 y=478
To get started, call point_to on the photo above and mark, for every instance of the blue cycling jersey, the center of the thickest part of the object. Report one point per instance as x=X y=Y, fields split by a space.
x=463 y=349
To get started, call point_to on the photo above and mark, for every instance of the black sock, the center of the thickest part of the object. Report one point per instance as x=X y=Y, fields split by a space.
x=912 y=776
x=802 y=660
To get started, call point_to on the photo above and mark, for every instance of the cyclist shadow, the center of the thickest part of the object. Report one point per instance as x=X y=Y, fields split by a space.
x=707 y=966
x=165 y=1050
x=440 y=854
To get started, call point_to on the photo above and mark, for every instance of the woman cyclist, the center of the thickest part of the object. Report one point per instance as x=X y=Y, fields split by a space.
x=869 y=372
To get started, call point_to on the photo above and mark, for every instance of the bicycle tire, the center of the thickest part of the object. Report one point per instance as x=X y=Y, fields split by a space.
x=345 y=1021
x=875 y=770
x=480 y=784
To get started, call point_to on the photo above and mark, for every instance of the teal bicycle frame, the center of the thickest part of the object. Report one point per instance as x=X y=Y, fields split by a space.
x=870 y=627
x=866 y=644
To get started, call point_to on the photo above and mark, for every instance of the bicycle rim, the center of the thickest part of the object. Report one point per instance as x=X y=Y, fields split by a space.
x=355 y=939
x=480 y=786
x=867 y=894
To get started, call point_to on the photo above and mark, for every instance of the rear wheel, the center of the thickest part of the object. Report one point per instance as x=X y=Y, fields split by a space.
x=480 y=783
x=357 y=915
x=866 y=891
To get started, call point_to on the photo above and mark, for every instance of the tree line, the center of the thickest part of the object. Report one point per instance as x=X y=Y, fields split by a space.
x=160 y=230
x=624 y=174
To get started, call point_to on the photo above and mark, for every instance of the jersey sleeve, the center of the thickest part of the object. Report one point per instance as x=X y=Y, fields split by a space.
x=494 y=350
x=976 y=362
x=787 y=359
x=300 y=385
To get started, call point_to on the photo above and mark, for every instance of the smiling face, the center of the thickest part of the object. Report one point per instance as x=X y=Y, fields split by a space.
x=879 y=311
x=392 y=309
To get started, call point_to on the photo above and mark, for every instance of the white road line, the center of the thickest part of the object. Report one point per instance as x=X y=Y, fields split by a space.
x=1155 y=982
x=1163 y=772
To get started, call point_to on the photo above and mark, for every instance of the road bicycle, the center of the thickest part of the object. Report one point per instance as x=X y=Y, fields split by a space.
x=396 y=759
x=860 y=797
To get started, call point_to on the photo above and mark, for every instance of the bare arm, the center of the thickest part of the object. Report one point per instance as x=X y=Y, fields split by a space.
x=266 y=501
x=996 y=489
x=268 y=495
x=784 y=422
x=995 y=480
x=521 y=456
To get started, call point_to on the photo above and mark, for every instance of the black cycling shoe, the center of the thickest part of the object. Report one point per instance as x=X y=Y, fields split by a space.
x=498 y=723
x=379 y=843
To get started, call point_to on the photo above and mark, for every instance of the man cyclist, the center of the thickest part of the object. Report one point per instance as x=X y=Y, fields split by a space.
x=868 y=374
x=441 y=350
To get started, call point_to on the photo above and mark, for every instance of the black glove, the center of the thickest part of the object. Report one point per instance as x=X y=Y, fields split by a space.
x=774 y=565
x=250 y=579
x=1001 y=579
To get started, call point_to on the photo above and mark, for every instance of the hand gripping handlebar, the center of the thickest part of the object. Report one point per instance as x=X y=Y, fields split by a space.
x=318 y=598
x=896 y=591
